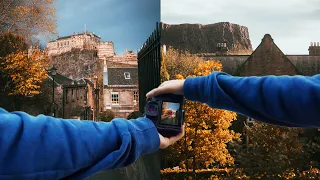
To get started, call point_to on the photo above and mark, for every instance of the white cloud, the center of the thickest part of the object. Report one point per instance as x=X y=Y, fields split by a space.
x=292 y=24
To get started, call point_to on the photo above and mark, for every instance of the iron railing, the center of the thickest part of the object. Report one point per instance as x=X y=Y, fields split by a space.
x=149 y=64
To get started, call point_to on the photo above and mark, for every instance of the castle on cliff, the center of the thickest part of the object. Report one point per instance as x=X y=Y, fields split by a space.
x=110 y=80
x=89 y=41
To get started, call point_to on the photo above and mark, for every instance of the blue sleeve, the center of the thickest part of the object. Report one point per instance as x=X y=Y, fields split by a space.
x=44 y=147
x=292 y=101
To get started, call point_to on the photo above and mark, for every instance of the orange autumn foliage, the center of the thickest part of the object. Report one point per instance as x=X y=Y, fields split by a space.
x=207 y=129
x=26 y=73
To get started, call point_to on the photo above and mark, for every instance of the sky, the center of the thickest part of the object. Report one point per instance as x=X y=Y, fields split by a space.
x=127 y=23
x=293 y=24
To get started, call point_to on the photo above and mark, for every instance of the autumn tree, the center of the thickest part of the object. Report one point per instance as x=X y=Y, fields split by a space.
x=29 y=18
x=271 y=148
x=26 y=71
x=207 y=129
x=21 y=23
x=179 y=62
x=22 y=70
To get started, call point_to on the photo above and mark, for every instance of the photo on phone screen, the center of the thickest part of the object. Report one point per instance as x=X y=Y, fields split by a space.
x=169 y=111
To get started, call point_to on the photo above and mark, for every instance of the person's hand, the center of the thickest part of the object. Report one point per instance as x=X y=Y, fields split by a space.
x=172 y=87
x=165 y=142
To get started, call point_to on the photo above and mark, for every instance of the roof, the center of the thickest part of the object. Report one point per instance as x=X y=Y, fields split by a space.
x=65 y=81
x=115 y=76
x=61 y=79
x=267 y=59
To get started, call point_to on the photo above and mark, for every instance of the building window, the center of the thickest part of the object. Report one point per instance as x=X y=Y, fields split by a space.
x=135 y=97
x=114 y=98
x=127 y=75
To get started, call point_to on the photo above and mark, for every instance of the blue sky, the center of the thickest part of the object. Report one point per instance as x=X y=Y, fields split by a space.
x=128 y=23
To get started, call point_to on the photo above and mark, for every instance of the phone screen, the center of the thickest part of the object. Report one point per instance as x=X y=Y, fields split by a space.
x=168 y=115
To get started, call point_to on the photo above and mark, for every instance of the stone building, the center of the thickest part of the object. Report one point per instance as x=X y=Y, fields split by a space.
x=74 y=99
x=80 y=41
x=268 y=59
x=105 y=50
x=129 y=57
x=84 y=56
x=79 y=100
x=121 y=90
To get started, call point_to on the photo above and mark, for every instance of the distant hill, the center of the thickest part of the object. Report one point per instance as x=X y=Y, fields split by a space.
x=198 y=38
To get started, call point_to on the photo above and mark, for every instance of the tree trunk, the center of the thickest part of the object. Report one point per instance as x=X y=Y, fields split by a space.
x=194 y=154
x=186 y=151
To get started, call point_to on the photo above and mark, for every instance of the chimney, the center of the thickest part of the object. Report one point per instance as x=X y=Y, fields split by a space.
x=222 y=49
x=314 y=49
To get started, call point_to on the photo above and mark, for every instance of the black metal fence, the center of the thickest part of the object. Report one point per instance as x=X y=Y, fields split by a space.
x=149 y=64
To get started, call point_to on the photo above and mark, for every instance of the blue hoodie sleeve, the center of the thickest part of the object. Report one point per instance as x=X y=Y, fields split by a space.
x=44 y=147
x=292 y=101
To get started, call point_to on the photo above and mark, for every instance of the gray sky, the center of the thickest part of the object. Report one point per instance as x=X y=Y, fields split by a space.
x=127 y=23
x=293 y=24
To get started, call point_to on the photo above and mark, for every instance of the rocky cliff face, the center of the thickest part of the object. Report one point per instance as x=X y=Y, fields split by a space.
x=198 y=38
x=78 y=64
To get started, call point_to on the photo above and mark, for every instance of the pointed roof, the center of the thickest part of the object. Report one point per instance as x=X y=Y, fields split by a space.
x=268 y=59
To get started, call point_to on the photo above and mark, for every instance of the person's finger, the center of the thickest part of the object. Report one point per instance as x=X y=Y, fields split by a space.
x=158 y=91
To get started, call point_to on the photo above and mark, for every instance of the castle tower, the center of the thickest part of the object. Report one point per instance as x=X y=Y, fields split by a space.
x=105 y=50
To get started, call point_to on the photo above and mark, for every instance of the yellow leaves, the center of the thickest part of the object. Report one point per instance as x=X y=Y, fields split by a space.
x=207 y=129
x=182 y=63
x=25 y=72
x=207 y=67
x=179 y=77
x=163 y=71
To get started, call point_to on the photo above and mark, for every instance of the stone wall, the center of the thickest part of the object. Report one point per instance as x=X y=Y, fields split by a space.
x=78 y=64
